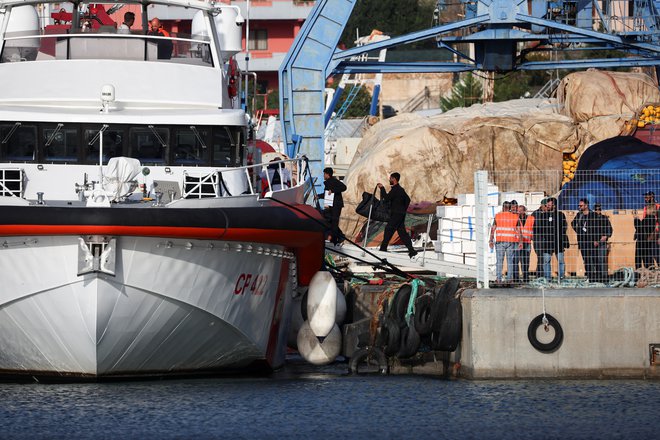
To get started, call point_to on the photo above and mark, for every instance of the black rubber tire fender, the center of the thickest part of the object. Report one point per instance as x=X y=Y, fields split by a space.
x=551 y=346
x=400 y=304
x=423 y=315
x=449 y=335
x=410 y=341
x=441 y=301
x=371 y=356
x=389 y=336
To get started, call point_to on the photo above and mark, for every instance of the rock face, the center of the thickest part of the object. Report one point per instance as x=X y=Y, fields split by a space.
x=438 y=155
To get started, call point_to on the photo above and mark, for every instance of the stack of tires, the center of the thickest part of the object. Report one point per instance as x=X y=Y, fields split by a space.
x=436 y=321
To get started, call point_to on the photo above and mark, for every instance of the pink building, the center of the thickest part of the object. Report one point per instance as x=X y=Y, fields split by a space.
x=273 y=26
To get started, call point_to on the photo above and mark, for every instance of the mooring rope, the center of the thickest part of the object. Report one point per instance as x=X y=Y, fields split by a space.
x=410 y=311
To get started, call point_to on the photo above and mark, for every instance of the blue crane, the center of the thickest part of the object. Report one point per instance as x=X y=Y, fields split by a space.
x=502 y=36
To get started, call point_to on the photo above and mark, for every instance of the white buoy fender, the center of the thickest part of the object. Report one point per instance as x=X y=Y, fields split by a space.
x=316 y=352
x=322 y=303
x=340 y=310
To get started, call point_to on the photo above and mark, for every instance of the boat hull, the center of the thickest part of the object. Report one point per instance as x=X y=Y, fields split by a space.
x=172 y=306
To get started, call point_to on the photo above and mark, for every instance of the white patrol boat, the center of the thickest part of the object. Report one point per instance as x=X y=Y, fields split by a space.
x=135 y=239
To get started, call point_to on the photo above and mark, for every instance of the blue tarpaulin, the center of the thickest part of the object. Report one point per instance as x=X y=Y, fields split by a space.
x=615 y=173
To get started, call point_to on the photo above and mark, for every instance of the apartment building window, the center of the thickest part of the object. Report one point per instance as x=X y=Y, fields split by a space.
x=258 y=39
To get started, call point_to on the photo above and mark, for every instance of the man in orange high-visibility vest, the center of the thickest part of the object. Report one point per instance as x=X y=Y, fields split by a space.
x=505 y=236
x=522 y=255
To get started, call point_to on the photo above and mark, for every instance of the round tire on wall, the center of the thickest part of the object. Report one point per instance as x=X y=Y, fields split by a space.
x=532 y=334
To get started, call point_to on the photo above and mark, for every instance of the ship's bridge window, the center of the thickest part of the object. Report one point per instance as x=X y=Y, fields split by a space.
x=225 y=146
x=18 y=142
x=60 y=144
x=113 y=144
x=190 y=145
x=149 y=144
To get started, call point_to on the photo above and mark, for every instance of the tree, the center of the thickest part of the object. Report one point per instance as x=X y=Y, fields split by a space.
x=387 y=17
x=360 y=105
x=464 y=93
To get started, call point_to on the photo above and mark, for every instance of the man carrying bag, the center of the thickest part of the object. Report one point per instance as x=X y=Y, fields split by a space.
x=372 y=208
x=399 y=202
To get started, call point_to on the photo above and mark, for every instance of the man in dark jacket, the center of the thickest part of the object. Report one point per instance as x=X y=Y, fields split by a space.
x=585 y=225
x=332 y=212
x=399 y=201
x=604 y=233
x=550 y=237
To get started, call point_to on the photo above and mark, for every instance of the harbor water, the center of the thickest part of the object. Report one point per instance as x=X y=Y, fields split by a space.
x=330 y=404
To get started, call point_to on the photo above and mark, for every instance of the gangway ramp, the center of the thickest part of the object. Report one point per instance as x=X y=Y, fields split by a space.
x=423 y=261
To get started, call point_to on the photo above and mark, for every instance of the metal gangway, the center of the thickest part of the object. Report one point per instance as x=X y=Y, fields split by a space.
x=425 y=260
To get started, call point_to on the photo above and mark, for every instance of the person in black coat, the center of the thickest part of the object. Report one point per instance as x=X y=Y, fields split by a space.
x=550 y=237
x=399 y=201
x=332 y=213
x=586 y=227
x=647 y=232
x=604 y=233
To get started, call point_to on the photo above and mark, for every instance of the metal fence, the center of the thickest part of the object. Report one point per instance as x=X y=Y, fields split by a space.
x=531 y=227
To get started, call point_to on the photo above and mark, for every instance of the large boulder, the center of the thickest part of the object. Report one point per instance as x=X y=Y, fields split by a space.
x=438 y=155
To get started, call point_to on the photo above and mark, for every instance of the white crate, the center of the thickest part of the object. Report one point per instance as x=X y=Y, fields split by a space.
x=467 y=234
x=492 y=210
x=469 y=246
x=508 y=196
x=448 y=211
x=454 y=247
x=534 y=198
x=449 y=235
x=449 y=223
x=467 y=211
x=493 y=195
x=467 y=199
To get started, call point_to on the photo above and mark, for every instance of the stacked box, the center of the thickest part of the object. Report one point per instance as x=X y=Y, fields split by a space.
x=533 y=200
x=508 y=196
x=456 y=232
x=448 y=211
x=467 y=199
x=493 y=195
x=454 y=247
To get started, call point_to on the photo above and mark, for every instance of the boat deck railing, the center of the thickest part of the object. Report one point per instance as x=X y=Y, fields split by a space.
x=259 y=178
x=177 y=48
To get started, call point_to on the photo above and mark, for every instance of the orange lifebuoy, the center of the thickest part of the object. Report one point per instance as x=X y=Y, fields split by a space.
x=232 y=78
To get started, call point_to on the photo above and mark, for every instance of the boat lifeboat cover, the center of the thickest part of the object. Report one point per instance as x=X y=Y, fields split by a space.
x=119 y=177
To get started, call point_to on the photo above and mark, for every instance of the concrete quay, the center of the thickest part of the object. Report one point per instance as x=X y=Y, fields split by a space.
x=607 y=333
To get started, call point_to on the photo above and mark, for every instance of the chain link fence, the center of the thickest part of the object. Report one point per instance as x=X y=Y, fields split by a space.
x=587 y=230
